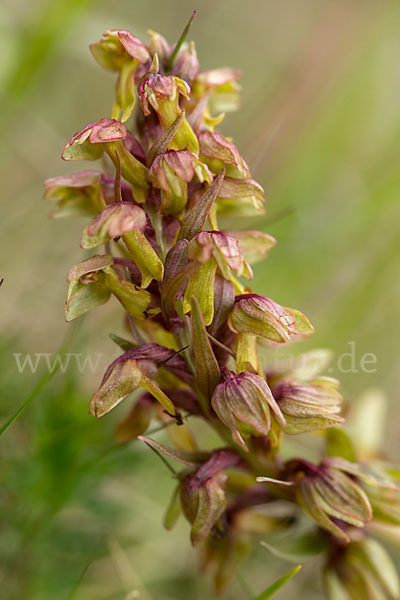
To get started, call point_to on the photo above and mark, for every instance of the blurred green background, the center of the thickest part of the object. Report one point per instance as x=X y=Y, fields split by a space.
x=320 y=128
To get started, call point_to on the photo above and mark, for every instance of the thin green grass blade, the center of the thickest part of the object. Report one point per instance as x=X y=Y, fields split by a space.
x=278 y=584
x=30 y=398
x=42 y=384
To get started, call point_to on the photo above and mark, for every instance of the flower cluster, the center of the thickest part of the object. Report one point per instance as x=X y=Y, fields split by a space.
x=196 y=330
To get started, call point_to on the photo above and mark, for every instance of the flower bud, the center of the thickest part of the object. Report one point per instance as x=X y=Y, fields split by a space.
x=202 y=495
x=243 y=403
x=186 y=64
x=260 y=316
x=161 y=92
x=159 y=45
x=171 y=172
x=118 y=48
x=309 y=406
x=203 y=505
x=122 y=52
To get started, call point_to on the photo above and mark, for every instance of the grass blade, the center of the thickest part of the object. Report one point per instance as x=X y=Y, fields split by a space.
x=278 y=584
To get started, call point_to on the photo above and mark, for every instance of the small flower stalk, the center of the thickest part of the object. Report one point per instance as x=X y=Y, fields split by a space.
x=157 y=246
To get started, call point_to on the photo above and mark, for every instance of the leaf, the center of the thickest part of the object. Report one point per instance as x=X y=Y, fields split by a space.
x=278 y=584
x=171 y=289
x=201 y=286
x=176 y=260
x=224 y=299
x=122 y=342
x=196 y=218
x=333 y=586
x=42 y=384
x=207 y=370
x=144 y=256
x=161 y=145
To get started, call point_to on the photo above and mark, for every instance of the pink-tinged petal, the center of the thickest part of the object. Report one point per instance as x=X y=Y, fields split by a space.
x=78 y=180
x=132 y=45
x=181 y=162
x=107 y=130
x=240 y=188
x=260 y=316
x=215 y=145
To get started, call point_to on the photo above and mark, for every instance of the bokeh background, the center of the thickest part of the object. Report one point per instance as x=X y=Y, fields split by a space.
x=320 y=126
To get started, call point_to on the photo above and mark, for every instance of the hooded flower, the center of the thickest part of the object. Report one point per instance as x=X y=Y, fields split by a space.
x=202 y=494
x=186 y=64
x=244 y=404
x=78 y=194
x=218 y=152
x=120 y=51
x=309 y=406
x=128 y=221
x=134 y=368
x=214 y=92
x=260 y=316
x=162 y=92
x=112 y=137
x=91 y=283
x=332 y=492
